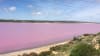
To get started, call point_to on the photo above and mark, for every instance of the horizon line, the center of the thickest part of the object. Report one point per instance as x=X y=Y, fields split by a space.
x=43 y=21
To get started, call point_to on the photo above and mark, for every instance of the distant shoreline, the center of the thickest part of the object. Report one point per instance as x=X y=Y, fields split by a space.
x=42 y=21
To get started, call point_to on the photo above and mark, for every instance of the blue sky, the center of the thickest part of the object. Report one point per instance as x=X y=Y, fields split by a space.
x=78 y=10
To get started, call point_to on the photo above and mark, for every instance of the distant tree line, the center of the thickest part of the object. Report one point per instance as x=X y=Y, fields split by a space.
x=41 y=21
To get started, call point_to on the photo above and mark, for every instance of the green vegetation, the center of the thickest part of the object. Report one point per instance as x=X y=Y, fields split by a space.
x=84 y=45
x=31 y=54
x=83 y=49
x=60 y=48
x=45 y=53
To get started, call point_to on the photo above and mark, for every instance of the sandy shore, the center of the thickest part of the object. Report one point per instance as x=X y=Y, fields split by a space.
x=37 y=50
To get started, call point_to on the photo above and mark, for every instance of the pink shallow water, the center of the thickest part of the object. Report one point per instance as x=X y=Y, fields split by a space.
x=14 y=36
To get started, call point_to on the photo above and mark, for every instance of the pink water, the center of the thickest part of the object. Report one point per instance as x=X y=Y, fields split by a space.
x=15 y=36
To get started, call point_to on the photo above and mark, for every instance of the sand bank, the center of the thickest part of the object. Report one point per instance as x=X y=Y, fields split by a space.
x=36 y=50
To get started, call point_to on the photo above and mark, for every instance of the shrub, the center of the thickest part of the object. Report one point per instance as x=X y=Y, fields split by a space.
x=98 y=33
x=33 y=54
x=18 y=55
x=75 y=38
x=45 y=53
x=60 y=48
x=25 y=54
x=83 y=49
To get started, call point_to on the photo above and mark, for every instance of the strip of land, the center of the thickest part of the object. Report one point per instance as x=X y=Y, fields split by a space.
x=42 y=21
x=36 y=50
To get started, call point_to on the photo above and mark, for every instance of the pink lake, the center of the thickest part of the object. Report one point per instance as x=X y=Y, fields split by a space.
x=17 y=36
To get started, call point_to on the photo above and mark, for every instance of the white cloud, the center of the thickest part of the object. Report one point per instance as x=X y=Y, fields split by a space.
x=10 y=9
x=86 y=13
x=36 y=13
x=13 y=8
